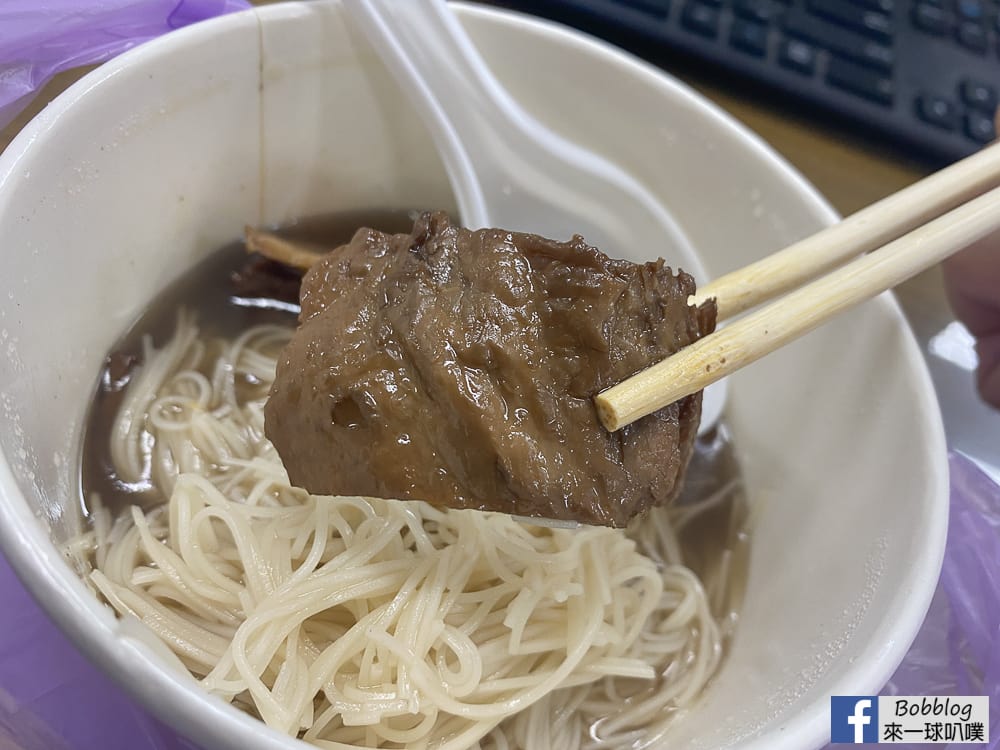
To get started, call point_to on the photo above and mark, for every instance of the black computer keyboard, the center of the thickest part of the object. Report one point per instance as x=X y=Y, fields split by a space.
x=923 y=73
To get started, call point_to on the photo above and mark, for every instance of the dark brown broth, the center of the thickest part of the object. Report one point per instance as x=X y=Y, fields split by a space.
x=715 y=542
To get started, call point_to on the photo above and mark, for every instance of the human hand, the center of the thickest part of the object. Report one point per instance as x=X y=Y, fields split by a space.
x=972 y=281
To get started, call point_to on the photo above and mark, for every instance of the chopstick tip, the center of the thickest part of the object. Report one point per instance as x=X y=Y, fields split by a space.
x=607 y=412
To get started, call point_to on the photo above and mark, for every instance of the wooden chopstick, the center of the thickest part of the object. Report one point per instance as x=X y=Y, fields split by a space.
x=758 y=333
x=281 y=251
x=862 y=231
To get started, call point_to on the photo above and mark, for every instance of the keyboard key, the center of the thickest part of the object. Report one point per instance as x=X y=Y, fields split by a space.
x=838 y=40
x=979 y=95
x=872 y=23
x=755 y=10
x=859 y=80
x=932 y=19
x=937 y=111
x=798 y=56
x=701 y=19
x=654 y=7
x=979 y=127
x=749 y=37
x=971 y=36
x=883 y=6
x=970 y=10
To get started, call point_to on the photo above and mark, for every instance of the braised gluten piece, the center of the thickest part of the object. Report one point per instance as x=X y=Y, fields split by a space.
x=458 y=367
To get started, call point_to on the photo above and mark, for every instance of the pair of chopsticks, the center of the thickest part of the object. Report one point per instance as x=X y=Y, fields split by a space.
x=903 y=235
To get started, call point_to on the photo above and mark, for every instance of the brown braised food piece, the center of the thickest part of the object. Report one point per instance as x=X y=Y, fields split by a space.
x=458 y=367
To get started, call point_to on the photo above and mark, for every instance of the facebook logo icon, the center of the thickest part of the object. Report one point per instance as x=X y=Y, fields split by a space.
x=853 y=719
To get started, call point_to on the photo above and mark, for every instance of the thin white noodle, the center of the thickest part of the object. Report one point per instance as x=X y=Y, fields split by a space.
x=361 y=622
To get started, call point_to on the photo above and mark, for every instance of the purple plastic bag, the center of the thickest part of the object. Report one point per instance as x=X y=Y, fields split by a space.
x=52 y=698
x=39 y=38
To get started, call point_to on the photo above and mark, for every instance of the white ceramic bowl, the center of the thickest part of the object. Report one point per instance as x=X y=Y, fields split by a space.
x=165 y=153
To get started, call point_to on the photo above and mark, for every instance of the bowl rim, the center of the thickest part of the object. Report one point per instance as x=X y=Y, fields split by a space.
x=177 y=699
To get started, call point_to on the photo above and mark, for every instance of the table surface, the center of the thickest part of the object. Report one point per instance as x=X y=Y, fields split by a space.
x=852 y=171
